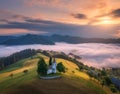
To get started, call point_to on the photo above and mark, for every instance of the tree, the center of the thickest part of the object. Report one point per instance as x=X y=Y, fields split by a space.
x=102 y=83
x=42 y=67
x=103 y=72
x=90 y=74
x=60 y=67
x=107 y=80
x=113 y=89
x=81 y=68
x=50 y=61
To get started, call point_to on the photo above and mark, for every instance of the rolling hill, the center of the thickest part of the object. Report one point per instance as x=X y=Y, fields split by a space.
x=50 y=40
x=28 y=39
x=72 y=82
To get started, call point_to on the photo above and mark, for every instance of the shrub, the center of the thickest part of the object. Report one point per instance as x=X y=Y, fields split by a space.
x=11 y=75
x=25 y=71
x=60 y=67
x=73 y=71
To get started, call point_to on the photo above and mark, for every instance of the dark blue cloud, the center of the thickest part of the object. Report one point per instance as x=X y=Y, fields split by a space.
x=116 y=13
x=41 y=25
x=52 y=27
x=79 y=16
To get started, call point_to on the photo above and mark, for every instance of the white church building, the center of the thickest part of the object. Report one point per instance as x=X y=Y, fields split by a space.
x=52 y=67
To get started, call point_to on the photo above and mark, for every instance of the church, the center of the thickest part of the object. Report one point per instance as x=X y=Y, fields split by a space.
x=52 y=66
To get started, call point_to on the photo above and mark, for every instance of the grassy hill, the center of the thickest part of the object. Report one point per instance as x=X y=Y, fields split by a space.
x=72 y=82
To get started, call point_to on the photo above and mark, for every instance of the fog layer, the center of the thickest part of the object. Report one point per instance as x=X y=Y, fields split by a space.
x=93 y=54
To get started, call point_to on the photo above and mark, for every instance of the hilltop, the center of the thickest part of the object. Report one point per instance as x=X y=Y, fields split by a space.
x=72 y=81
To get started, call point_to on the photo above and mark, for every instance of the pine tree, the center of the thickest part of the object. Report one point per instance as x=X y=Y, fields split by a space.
x=42 y=67
x=50 y=61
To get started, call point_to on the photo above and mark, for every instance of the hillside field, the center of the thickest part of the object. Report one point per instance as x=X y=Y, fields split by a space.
x=72 y=82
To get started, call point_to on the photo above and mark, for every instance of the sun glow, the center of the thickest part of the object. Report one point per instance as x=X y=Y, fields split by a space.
x=106 y=20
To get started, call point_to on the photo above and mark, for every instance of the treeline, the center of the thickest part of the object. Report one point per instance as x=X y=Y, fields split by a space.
x=5 y=61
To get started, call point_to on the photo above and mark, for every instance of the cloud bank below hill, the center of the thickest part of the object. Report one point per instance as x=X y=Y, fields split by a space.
x=93 y=54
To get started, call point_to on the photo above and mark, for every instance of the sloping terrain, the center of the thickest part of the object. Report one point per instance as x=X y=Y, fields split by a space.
x=50 y=40
x=72 y=82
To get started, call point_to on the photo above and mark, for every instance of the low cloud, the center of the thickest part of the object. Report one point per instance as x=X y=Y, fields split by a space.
x=107 y=55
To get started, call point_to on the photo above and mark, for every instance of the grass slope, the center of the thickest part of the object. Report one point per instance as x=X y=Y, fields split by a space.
x=72 y=82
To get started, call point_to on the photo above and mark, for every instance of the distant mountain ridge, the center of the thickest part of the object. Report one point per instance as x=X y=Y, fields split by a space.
x=28 y=39
x=50 y=40
x=5 y=38
x=76 y=40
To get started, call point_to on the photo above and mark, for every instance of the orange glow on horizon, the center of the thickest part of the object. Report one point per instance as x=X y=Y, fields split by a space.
x=106 y=20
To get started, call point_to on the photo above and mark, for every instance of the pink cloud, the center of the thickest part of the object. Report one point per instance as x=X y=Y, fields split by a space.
x=12 y=31
x=117 y=33
x=18 y=31
x=91 y=8
x=72 y=4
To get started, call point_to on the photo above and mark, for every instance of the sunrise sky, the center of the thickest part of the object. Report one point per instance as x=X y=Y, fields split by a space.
x=85 y=18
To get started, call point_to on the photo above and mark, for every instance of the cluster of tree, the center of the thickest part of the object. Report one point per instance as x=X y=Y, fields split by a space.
x=107 y=81
x=102 y=77
x=115 y=72
x=5 y=61
x=42 y=67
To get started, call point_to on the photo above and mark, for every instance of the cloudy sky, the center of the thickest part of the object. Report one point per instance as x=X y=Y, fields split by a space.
x=85 y=18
